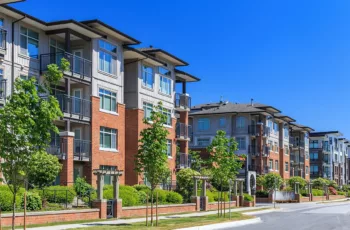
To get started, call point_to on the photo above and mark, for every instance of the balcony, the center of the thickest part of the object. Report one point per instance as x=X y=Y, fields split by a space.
x=183 y=132
x=326 y=148
x=255 y=130
x=73 y=107
x=2 y=90
x=58 y=148
x=3 y=34
x=253 y=150
x=183 y=160
x=296 y=143
x=82 y=150
x=266 y=151
x=182 y=102
x=80 y=68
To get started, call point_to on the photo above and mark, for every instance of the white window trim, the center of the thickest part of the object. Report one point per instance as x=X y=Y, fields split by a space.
x=111 y=53
x=160 y=85
x=19 y=46
x=116 y=100
x=153 y=77
x=117 y=143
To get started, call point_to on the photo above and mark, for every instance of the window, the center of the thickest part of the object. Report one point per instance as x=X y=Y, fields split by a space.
x=276 y=165
x=270 y=144
x=108 y=179
x=286 y=166
x=58 y=49
x=313 y=156
x=307 y=170
x=108 y=138
x=270 y=124
x=270 y=164
x=147 y=76
x=240 y=122
x=275 y=127
x=276 y=147
x=286 y=132
x=314 y=144
x=108 y=100
x=147 y=109
x=1 y=75
x=165 y=85
x=1 y=22
x=222 y=122
x=203 y=124
x=306 y=155
x=167 y=113
x=163 y=71
x=314 y=169
x=203 y=141
x=107 y=57
x=286 y=150
x=241 y=143
x=29 y=43
x=168 y=150
x=336 y=157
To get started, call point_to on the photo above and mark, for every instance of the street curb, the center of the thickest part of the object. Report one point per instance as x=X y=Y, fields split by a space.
x=252 y=213
x=225 y=225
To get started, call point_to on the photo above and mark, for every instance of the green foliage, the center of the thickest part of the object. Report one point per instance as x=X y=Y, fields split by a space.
x=185 y=182
x=55 y=73
x=57 y=194
x=272 y=181
x=332 y=191
x=6 y=198
x=319 y=183
x=260 y=180
x=341 y=193
x=262 y=193
x=141 y=187
x=43 y=169
x=33 y=202
x=215 y=195
x=151 y=160
x=81 y=187
x=197 y=161
x=225 y=163
x=317 y=192
x=161 y=195
x=248 y=197
x=174 y=198
x=293 y=180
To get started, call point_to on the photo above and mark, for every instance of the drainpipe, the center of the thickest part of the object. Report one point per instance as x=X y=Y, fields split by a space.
x=13 y=53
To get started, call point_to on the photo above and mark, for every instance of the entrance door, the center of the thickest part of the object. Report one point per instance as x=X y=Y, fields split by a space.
x=77 y=103
x=77 y=61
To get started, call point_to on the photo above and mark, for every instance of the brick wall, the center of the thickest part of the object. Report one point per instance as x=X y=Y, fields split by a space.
x=51 y=217
x=134 y=125
x=336 y=197
x=319 y=198
x=284 y=158
x=100 y=157
x=214 y=205
x=162 y=209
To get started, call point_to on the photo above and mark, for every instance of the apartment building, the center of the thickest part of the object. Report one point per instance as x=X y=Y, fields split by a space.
x=150 y=78
x=262 y=133
x=91 y=95
x=329 y=156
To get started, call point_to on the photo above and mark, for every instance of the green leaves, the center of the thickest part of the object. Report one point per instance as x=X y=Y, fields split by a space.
x=151 y=159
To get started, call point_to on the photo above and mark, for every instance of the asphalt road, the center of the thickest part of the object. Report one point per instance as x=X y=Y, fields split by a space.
x=325 y=216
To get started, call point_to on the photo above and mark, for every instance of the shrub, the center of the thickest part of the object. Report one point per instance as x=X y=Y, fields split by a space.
x=270 y=180
x=317 y=192
x=213 y=196
x=294 y=179
x=342 y=193
x=33 y=202
x=248 y=197
x=319 y=182
x=129 y=196
x=332 y=191
x=185 y=183
x=6 y=198
x=81 y=187
x=174 y=198
x=142 y=197
x=262 y=193
x=141 y=187
x=57 y=194
x=161 y=195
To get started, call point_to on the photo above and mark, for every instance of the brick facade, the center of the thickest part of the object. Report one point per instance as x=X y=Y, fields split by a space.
x=134 y=126
x=67 y=172
x=284 y=158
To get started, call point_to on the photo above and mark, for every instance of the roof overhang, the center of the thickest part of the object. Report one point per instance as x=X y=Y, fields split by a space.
x=17 y=14
x=269 y=109
x=2 y=2
x=167 y=56
x=284 y=118
x=298 y=127
x=134 y=54
x=182 y=76
x=75 y=26
x=320 y=134
x=109 y=30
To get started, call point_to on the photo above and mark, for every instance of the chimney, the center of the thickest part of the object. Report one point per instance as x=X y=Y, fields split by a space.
x=252 y=102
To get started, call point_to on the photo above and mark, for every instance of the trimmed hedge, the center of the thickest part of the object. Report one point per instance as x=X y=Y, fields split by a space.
x=317 y=192
x=248 y=197
x=57 y=194
x=174 y=198
x=262 y=193
x=341 y=193
x=6 y=197
x=33 y=201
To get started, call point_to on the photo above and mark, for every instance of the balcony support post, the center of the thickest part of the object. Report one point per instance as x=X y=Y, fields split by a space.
x=67 y=41
x=184 y=87
x=66 y=175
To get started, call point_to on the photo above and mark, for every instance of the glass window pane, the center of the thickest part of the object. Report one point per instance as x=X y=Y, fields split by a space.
x=23 y=30
x=113 y=104
x=114 y=142
x=101 y=101
x=33 y=48
x=107 y=103
x=164 y=71
x=107 y=140
x=101 y=139
x=33 y=34
x=101 y=61
x=1 y=22
x=23 y=44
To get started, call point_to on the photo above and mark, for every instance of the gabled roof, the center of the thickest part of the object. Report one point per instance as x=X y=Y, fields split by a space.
x=299 y=127
x=284 y=117
x=182 y=76
x=321 y=134
x=164 y=54
x=97 y=24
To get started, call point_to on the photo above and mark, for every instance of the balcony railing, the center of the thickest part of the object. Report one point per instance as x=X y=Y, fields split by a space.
x=82 y=150
x=266 y=151
x=253 y=150
x=183 y=131
x=2 y=89
x=326 y=148
x=74 y=105
x=182 y=101
x=79 y=67
x=58 y=147
x=296 y=142
x=3 y=35
x=255 y=130
x=183 y=160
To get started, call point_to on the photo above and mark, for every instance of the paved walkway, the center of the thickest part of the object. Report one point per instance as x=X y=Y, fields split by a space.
x=130 y=221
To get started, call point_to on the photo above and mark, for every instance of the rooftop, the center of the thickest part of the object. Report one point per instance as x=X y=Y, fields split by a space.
x=164 y=54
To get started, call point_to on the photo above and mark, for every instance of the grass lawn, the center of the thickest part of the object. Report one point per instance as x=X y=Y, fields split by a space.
x=177 y=222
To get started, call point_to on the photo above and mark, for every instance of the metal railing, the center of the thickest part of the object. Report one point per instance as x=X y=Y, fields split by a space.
x=266 y=150
x=183 y=131
x=74 y=105
x=182 y=101
x=2 y=89
x=78 y=65
x=296 y=142
x=3 y=35
x=253 y=130
x=326 y=148
x=253 y=150
x=183 y=160
x=82 y=150
x=58 y=147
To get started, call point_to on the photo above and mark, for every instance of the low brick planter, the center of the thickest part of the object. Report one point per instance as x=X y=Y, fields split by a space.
x=336 y=197
x=248 y=204
x=263 y=200
x=214 y=205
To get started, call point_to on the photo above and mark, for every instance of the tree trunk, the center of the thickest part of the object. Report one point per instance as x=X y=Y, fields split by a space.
x=152 y=208
x=13 y=211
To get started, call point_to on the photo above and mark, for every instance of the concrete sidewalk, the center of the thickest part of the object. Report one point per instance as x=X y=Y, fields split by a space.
x=130 y=221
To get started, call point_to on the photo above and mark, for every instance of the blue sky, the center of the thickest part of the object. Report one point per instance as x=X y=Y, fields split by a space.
x=293 y=54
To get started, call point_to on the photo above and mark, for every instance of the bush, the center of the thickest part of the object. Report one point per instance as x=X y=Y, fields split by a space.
x=141 y=187
x=6 y=198
x=332 y=191
x=57 y=194
x=174 y=198
x=319 y=182
x=317 y=192
x=342 y=193
x=185 y=182
x=262 y=193
x=213 y=196
x=294 y=179
x=81 y=187
x=33 y=202
x=270 y=181
x=161 y=195
x=248 y=197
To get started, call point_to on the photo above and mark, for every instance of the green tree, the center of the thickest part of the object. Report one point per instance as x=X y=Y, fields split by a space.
x=151 y=159
x=224 y=163
x=196 y=160
x=294 y=179
x=260 y=180
x=185 y=182
x=272 y=181
x=26 y=121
